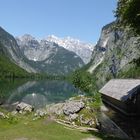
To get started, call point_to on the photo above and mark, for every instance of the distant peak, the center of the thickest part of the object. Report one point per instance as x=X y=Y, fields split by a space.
x=51 y=37
x=26 y=37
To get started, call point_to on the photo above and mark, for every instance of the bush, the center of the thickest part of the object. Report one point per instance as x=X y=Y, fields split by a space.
x=83 y=80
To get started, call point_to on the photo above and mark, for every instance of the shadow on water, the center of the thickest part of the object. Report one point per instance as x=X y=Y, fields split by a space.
x=129 y=124
x=38 y=93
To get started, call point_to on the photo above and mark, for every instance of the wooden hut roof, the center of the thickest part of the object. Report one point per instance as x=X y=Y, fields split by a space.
x=120 y=89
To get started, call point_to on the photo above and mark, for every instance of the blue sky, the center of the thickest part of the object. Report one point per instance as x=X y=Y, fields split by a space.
x=81 y=19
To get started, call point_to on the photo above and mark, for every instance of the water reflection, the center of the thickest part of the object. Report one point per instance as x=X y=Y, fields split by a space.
x=40 y=93
x=35 y=99
x=130 y=125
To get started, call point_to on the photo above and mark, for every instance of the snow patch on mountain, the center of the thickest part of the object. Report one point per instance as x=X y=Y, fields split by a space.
x=82 y=49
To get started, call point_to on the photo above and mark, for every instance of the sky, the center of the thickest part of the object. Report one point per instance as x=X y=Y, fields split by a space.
x=81 y=19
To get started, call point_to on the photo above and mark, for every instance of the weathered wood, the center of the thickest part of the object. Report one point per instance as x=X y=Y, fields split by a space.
x=123 y=94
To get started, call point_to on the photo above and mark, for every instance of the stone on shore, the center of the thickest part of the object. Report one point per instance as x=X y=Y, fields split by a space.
x=72 y=107
x=55 y=108
x=40 y=113
x=23 y=107
x=73 y=117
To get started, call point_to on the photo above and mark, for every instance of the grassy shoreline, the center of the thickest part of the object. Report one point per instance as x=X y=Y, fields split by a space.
x=23 y=126
x=29 y=127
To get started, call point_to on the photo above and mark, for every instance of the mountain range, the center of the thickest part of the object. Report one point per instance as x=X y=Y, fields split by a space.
x=48 y=56
x=44 y=56
x=82 y=49
x=116 y=54
x=29 y=44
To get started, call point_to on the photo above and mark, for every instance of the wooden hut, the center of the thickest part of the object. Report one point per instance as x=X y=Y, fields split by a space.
x=123 y=94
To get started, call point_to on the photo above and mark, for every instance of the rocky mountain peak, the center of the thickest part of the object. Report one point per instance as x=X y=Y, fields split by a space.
x=82 y=49
x=27 y=41
x=26 y=37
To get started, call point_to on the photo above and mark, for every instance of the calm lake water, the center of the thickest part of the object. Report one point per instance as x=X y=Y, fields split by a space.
x=36 y=93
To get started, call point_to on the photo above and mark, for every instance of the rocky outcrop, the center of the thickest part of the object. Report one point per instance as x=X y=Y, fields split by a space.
x=67 y=108
x=116 y=51
x=56 y=109
x=73 y=117
x=72 y=107
x=40 y=113
x=76 y=112
x=24 y=108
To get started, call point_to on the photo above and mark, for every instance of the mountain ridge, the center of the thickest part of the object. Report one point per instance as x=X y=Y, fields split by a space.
x=82 y=49
x=49 y=56
x=59 y=61
x=13 y=52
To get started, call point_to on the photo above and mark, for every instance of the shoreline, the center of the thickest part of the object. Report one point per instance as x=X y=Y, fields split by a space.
x=83 y=118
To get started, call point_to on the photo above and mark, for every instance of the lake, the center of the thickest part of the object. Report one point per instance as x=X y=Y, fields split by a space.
x=36 y=93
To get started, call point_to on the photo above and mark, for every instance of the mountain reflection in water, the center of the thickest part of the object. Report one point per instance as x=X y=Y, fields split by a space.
x=41 y=93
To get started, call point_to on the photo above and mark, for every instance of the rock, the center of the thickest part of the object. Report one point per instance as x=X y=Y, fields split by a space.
x=2 y=115
x=28 y=108
x=20 y=112
x=73 y=117
x=72 y=107
x=115 y=52
x=89 y=122
x=73 y=123
x=23 y=107
x=40 y=112
x=55 y=109
x=92 y=123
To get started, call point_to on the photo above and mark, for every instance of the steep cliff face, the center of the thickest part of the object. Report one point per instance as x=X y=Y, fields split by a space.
x=116 y=53
x=12 y=50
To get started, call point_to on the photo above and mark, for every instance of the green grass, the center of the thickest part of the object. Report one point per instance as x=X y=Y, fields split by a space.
x=41 y=129
x=20 y=126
